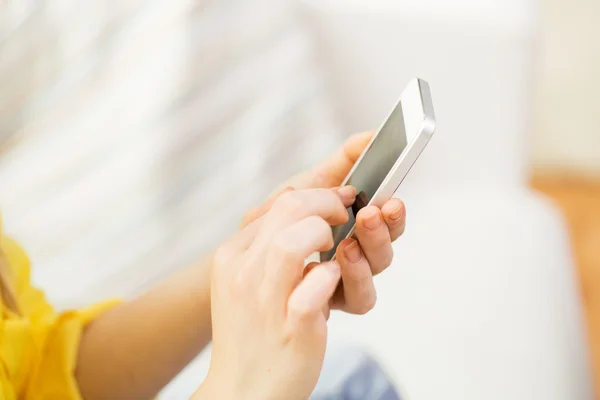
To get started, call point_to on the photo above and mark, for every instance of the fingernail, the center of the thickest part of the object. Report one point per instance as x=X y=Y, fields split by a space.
x=352 y=252
x=397 y=213
x=372 y=220
x=347 y=192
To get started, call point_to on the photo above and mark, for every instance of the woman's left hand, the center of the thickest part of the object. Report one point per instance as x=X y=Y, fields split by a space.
x=376 y=228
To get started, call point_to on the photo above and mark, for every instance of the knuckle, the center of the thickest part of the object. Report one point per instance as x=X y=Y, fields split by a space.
x=290 y=203
x=381 y=238
x=282 y=249
x=299 y=312
x=321 y=229
x=399 y=231
x=338 y=208
x=298 y=318
x=385 y=261
x=339 y=215
x=264 y=301
x=326 y=233
x=237 y=284
x=367 y=305
x=388 y=258
x=223 y=255
x=289 y=333
x=319 y=224
x=249 y=216
x=344 y=216
x=361 y=275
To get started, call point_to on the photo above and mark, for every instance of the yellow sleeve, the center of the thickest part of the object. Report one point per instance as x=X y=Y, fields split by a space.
x=54 y=377
x=56 y=336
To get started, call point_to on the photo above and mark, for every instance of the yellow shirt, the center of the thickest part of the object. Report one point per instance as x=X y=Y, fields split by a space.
x=38 y=347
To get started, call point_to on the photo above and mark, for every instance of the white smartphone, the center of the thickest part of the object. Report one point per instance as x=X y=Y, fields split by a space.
x=389 y=156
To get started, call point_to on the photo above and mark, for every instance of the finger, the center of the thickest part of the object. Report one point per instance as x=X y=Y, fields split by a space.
x=296 y=205
x=334 y=169
x=309 y=267
x=394 y=215
x=273 y=250
x=289 y=249
x=374 y=238
x=355 y=145
x=257 y=212
x=311 y=296
x=358 y=287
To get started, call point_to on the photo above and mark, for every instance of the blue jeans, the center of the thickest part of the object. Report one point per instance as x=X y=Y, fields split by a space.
x=354 y=377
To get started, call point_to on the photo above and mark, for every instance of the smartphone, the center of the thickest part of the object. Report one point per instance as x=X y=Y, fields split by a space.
x=389 y=156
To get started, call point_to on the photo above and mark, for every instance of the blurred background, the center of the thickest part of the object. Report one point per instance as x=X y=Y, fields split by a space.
x=136 y=132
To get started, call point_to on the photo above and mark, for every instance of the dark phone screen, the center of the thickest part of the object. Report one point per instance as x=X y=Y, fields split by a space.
x=372 y=170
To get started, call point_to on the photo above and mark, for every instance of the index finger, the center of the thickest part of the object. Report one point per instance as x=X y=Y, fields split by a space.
x=291 y=207
x=329 y=204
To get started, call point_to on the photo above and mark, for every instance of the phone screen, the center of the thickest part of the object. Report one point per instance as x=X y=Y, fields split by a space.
x=372 y=170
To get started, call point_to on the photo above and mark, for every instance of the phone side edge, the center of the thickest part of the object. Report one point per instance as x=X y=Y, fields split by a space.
x=427 y=104
x=414 y=149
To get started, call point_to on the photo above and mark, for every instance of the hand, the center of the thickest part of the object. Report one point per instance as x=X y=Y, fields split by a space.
x=376 y=229
x=269 y=316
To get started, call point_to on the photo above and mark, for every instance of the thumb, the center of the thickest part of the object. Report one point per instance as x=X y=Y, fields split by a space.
x=332 y=171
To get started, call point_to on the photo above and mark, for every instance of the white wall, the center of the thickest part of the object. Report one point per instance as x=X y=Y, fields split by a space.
x=567 y=119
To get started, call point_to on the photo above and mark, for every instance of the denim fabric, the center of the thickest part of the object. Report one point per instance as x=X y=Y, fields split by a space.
x=364 y=380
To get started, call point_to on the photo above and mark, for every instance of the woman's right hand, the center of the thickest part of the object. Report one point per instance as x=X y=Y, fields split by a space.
x=269 y=313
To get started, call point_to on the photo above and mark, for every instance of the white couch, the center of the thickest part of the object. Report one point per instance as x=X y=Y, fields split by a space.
x=481 y=301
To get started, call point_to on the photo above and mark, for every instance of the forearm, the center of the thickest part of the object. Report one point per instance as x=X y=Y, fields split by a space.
x=134 y=350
